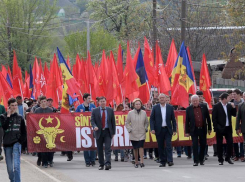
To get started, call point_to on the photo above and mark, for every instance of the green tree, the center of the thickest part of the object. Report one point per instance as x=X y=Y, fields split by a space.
x=99 y=40
x=127 y=19
x=26 y=27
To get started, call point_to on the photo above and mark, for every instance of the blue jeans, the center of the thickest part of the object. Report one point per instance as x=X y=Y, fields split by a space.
x=12 y=157
x=89 y=156
x=121 y=152
x=179 y=150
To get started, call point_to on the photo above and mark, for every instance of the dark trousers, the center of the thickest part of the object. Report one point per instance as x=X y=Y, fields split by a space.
x=1 y=139
x=105 y=138
x=238 y=153
x=202 y=136
x=69 y=154
x=229 y=143
x=47 y=157
x=164 y=137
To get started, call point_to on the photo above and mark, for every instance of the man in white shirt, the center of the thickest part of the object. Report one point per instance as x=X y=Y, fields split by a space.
x=221 y=117
x=163 y=125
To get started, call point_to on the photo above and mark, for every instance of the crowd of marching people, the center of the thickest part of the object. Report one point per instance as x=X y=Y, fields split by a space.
x=162 y=123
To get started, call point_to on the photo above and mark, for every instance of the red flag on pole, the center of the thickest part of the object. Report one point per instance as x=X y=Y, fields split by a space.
x=172 y=57
x=130 y=86
x=46 y=72
x=163 y=80
x=17 y=79
x=6 y=91
x=120 y=64
x=4 y=71
x=205 y=81
x=36 y=79
x=149 y=64
x=43 y=82
x=54 y=84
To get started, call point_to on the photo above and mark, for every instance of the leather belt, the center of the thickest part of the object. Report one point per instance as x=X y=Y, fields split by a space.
x=105 y=129
x=164 y=126
x=199 y=127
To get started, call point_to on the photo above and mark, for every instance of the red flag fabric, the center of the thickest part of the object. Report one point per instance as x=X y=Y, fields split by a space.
x=6 y=91
x=163 y=80
x=112 y=86
x=46 y=72
x=27 y=92
x=172 y=57
x=83 y=77
x=92 y=79
x=149 y=64
x=103 y=72
x=120 y=64
x=17 y=78
x=54 y=84
x=205 y=81
x=4 y=71
x=43 y=82
x=130 y=86
x=36 y=79
x=193 y=89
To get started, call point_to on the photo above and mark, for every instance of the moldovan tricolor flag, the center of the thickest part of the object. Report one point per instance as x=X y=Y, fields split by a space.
x=182 y=79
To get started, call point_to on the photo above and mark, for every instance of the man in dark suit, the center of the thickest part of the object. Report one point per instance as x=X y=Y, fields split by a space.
x=240 y=121
x=197 y=119
x=163 y=125
x=104 y=125
x=221 y=117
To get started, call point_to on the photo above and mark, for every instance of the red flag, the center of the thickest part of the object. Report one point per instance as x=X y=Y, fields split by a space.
x=36 y=79
x=4 y=71
x=46 y=72
x=112 y=86
x=17 y=78
x=26 y=92
x=103 y=71
x=172 y=57
x=92 y=79
x=120 y=64
x=205 y=81
x=83 y=77
x=193 y=88
x=149 y=64
x=130 y=86
x=6 y=91
x=68 y=63
x=54 y=84
x=43 y=82
x=163 y=80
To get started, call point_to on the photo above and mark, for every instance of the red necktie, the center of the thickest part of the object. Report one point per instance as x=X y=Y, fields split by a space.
x=103 y=118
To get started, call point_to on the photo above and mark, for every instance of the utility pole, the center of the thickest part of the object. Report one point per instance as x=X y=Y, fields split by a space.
x=88 y=35
x=154 y=27
x=183 y=20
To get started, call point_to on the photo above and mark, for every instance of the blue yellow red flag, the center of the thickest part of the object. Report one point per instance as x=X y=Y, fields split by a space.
x=182 y=79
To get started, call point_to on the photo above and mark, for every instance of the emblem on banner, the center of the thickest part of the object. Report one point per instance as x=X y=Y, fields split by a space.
x=49 y=133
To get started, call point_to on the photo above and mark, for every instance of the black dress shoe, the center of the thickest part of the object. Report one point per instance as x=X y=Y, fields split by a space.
x=107 y=167
x=101 y=167
x=93 y=163
x=162 y=165
x=195 y=164
x=142 y=165
x=69 y=158
x=39 y=162
x=202 y=163
x=220 y=163
x=170 y=164
x=229 y=161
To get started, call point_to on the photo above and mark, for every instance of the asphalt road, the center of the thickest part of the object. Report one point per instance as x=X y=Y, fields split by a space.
x=75 y=171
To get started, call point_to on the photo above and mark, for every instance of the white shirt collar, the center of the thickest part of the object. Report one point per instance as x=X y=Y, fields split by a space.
x=163 y=106
x=223 y=104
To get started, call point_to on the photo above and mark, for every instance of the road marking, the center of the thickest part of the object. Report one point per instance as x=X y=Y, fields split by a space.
x=40 y=170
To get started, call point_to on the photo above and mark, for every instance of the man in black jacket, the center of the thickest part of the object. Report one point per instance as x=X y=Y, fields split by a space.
x=197 y=120
x=221 y=118
x=104 y=125
x=14 y=128
x=163 y=125
x=45 y=157
x=240 y=121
